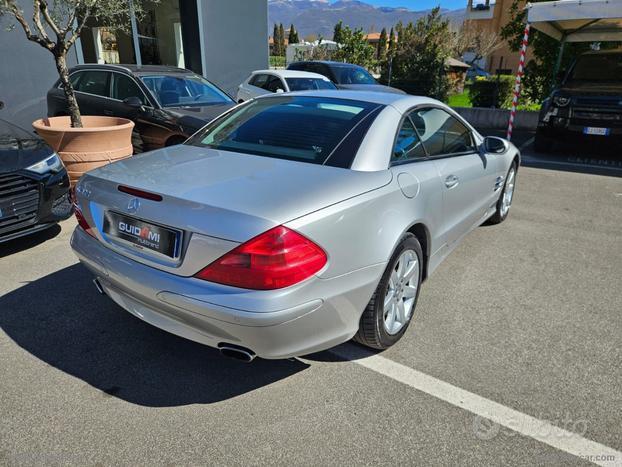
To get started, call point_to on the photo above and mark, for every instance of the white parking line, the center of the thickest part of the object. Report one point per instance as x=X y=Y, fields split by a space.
x=514 y=420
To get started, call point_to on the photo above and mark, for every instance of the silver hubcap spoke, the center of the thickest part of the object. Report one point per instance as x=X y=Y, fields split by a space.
x=508 y=192
x=401 y=292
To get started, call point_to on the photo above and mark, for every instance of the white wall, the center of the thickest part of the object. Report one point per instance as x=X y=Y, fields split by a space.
x=27 y=72
x=235 y=40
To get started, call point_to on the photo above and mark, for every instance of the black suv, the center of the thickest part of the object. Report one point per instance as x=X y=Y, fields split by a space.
x=167 y=104
x=345 y=75
x=587 y=105
x=34 y=186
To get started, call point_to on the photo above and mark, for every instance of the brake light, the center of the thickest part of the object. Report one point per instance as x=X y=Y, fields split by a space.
x=277 y=258
x=139 y=193
x=82 y=221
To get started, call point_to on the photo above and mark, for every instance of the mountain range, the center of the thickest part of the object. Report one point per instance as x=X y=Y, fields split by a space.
x=318 y=17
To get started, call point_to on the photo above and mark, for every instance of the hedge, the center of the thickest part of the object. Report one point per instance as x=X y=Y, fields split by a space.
x=493 y=91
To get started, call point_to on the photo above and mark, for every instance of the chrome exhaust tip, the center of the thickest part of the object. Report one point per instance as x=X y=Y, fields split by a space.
x=98 y=286
x=237 y=352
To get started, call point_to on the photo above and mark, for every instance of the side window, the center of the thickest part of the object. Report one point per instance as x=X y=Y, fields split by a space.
x=75 y=78
x=407 y=145
x=95 y=82
x=124 y=87
x=441 y=133
x=259 y=80
x=274 y=83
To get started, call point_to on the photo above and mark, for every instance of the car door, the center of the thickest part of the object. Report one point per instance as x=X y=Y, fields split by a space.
x=93 y=91
x=417 y=178
x=467 y=176
x=125 y=87
x=275 y=84
x=256 y=85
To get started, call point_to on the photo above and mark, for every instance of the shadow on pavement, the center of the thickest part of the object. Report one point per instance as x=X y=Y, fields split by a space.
x=598 y=158
x=63 y=321
x=29 y=241
x=595 y=156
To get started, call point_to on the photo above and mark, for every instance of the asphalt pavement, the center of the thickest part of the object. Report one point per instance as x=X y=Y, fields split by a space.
x=513 y=357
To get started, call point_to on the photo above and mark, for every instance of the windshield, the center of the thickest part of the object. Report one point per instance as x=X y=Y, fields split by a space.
x=605 y=67
x=308 y=84
x=183 y=90
x=353 y=75
x=301 y=128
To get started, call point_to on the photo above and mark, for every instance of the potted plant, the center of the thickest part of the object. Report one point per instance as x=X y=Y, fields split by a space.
x=83 y=142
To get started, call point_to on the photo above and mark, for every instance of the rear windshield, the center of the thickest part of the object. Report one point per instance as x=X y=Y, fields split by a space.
x=605 y=67
x=308 y=84
x=184 y=90
x=300 y=128
x=351 y=74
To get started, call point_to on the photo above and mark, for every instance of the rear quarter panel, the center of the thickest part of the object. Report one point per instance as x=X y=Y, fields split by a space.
x=365 y=230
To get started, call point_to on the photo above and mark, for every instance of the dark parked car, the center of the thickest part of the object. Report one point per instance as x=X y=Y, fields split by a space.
x=345 y=75
x=167 y=104
x=588 y=103
x=34 y=186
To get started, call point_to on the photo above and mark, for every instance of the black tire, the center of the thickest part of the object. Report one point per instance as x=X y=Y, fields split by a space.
x=542 y=144
x=499 y=216
x=372 y=331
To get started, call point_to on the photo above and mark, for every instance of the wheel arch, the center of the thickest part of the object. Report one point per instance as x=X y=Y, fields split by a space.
x=422 y=233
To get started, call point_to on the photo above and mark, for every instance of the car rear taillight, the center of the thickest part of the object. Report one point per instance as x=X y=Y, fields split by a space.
x=277 y=258
x=82 y=221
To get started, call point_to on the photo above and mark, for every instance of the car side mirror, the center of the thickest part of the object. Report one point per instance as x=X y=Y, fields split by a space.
x=495 y=145
x=279 y=91
x=133 y=102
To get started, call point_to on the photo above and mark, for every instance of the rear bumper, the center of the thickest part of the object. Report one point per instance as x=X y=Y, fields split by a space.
x=298 y=324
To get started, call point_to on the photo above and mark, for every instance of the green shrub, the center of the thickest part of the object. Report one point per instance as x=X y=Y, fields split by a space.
x=277 y=61
x=493 y=91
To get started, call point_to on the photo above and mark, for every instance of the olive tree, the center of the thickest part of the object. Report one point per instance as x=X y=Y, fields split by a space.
x=56 y=25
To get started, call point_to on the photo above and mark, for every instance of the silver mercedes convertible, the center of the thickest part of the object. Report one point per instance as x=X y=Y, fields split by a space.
x=292 y=223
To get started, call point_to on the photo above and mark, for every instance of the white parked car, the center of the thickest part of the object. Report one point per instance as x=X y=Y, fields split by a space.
x=262 y=82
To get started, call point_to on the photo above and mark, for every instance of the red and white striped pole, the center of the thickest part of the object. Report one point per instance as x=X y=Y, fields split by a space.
x=517 y=83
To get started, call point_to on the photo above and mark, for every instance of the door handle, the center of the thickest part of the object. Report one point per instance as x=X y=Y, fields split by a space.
x=107 y=112
x=451 y=181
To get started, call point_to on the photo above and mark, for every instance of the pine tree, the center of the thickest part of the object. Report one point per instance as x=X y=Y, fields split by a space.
x=391 y=50
x=293 y=35
x=275 y=41
x=281 y=40
x=381 y=52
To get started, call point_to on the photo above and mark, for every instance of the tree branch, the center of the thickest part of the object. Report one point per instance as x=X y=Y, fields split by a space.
x=72 y=17
x=14 y=9
x=48 y=18
x=76 y=34
x=36 y=19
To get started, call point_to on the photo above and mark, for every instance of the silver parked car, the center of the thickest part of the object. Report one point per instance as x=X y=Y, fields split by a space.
x=262 y=82
x=293 y=223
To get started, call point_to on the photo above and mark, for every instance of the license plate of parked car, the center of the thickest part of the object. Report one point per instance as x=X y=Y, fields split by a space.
x=590 y=130
x=143 y=234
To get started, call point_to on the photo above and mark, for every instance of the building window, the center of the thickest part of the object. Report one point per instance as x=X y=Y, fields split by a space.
x=167 y=35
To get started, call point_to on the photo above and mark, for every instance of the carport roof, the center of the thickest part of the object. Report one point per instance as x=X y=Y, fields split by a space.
x=578 y=20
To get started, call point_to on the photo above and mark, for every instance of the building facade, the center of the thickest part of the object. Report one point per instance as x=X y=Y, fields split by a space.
x=492 y=16
x=223 y=40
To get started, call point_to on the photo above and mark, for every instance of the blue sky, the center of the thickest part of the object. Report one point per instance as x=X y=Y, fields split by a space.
x=420 y=4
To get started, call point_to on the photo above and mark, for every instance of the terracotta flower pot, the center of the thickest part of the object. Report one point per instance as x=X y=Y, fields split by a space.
x=102 y=140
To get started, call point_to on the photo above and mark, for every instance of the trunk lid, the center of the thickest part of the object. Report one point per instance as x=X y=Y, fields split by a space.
x=217 y=194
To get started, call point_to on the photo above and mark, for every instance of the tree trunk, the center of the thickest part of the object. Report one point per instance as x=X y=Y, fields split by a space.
x=72 y=103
